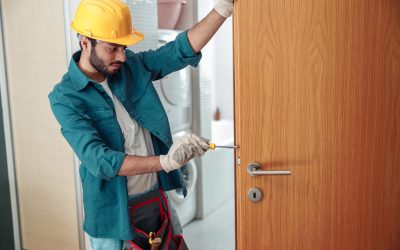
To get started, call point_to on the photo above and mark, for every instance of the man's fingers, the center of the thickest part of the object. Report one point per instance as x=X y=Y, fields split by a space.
x=203 y=142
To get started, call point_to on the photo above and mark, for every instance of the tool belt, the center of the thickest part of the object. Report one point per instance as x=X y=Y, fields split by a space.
x=151 y=222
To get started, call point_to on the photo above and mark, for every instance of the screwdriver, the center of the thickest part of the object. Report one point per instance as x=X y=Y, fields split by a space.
x=213 y=146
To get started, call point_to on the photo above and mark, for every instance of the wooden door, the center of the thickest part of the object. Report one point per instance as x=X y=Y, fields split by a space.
x=317 y=92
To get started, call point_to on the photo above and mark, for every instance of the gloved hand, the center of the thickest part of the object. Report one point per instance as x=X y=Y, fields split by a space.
x=224 y=7
x=183 y=150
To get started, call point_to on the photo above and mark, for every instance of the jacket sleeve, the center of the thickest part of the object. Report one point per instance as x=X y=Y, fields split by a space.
x=171 y=57
x=100 y=160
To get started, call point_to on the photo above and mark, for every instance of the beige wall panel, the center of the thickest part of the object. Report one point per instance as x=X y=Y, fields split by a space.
x=36 y=60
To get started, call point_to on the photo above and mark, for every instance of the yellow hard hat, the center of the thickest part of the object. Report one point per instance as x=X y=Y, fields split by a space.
x=106 y=20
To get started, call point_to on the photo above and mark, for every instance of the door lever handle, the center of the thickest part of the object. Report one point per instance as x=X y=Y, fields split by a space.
x=253 y=170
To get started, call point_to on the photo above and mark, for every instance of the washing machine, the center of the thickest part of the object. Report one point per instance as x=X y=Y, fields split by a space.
x=175 y=91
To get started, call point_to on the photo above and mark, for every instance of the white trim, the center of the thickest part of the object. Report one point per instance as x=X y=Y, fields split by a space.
x=8 y=140
x=79 y=204
x=78 y=188
x=67 y=30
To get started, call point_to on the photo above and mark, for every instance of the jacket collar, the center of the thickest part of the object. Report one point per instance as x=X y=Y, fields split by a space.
x=79 y=79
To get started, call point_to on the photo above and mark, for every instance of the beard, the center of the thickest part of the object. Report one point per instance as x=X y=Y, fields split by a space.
x=99 y=64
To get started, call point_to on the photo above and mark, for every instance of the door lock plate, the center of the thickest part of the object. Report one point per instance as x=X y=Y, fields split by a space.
x=254 y=194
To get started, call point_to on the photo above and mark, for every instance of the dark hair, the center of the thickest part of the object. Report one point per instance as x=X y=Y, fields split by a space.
x=92 y=41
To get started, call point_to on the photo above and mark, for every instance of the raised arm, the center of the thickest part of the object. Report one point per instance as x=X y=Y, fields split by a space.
x=203 y=31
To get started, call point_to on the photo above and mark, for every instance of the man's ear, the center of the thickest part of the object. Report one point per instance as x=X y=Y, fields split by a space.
x=85 y=43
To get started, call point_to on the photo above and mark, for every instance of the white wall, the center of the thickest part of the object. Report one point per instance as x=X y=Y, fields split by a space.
x=222 y=79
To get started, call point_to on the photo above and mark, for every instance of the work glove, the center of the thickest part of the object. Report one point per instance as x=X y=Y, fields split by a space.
x=224 y=7
x=183 y=150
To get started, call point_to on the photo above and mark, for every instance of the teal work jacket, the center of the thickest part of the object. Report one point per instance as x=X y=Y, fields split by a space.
x=88 y=122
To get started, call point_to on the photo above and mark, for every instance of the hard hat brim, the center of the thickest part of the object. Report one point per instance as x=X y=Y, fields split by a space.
x=131 y=39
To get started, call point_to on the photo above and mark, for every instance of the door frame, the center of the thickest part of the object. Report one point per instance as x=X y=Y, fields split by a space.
x=69 y=10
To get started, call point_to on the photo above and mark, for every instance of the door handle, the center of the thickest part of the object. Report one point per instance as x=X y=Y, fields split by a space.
x=253 y=170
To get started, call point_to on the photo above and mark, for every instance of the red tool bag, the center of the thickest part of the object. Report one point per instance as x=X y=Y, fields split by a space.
x=150 y=218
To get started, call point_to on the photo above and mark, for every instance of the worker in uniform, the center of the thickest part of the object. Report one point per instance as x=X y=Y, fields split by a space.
x=111 y=116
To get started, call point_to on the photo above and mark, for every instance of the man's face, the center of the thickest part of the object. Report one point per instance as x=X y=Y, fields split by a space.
x=107 y=58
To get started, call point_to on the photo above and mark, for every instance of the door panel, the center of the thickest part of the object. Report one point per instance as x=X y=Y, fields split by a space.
x=34 y=44
x=317 y=92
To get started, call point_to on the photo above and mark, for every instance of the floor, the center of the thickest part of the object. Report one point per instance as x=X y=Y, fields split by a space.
x=215 y=232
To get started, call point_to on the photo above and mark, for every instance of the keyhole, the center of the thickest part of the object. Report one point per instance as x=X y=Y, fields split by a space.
x=254 y=194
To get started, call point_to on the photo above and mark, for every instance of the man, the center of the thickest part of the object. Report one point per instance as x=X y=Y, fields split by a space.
x=111 y=116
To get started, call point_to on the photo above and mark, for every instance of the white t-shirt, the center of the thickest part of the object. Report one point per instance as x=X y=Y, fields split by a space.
x=137 y=142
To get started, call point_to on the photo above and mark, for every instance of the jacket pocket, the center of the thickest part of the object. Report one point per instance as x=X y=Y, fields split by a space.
x=105 y=122
x=100 y=114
